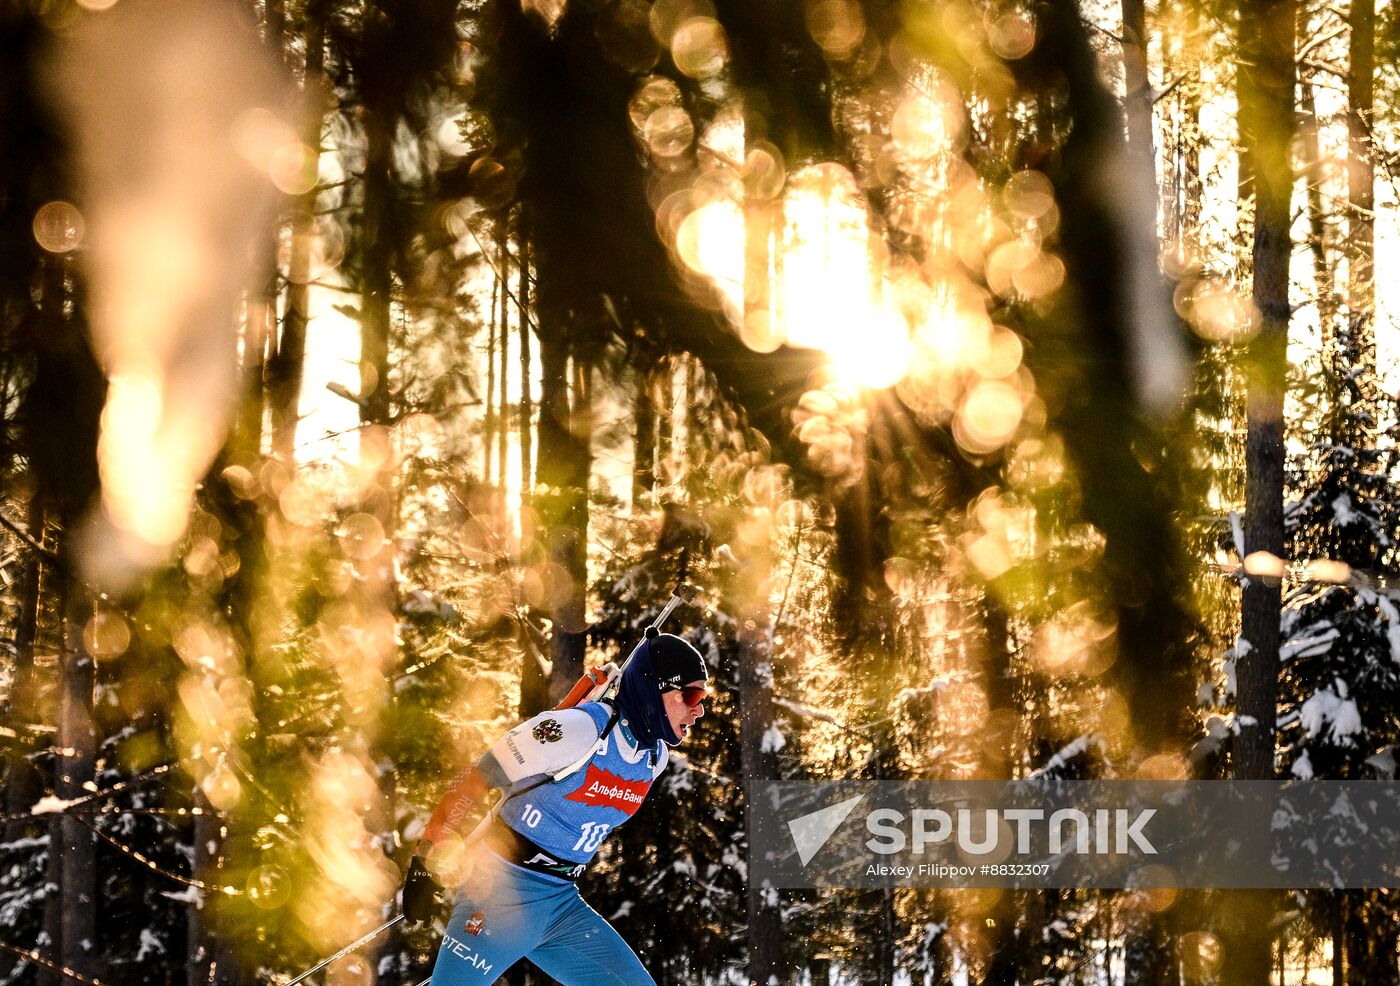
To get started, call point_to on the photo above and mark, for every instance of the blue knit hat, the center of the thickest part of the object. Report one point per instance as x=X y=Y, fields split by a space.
x=665 y=660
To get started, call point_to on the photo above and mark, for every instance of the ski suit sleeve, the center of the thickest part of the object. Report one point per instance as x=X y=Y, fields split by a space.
x=547 y=743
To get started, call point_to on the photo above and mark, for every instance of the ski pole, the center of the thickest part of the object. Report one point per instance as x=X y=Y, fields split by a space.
x=345 y=951
x=683 y=593
x=600 y=679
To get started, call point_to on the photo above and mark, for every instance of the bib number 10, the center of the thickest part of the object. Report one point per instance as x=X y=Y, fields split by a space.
x=592 y=837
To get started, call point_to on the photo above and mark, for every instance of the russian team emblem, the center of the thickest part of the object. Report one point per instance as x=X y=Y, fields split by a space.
x=548 y=731
x=475 y=923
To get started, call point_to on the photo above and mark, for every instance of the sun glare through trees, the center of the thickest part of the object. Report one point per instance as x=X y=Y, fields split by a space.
x=1009 y=386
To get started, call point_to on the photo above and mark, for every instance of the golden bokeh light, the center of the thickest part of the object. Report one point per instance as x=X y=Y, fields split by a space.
x=202 y=557
x=1110 y=717
x=293 y=168
x=990 y=554
x=1327 y=570
x=829 y=294
x=1202 y=955
x=1217 y=310
x=837 y=26
x=711 y=242
x=1075 y=641
x=309 y=254
x=1022 y=269
x=302 y=503
x=1040 y=278
x=723 y=143
x=258 y=134
x=420 y=434
x=362 y=537
x=766 y=487
x=1037 y=463
x=926 y=127
x=988 y=417
x=669 y=132
x=699 y=47
x=1153 y=900
x=1265 y=564
x=761 y=332
x=666 y=16
x=268 y=886
x=654 y=93
x=106 y=636
x=764 y=171
x=450 y=135
x=59 y=227
x=222 y=787
x=1011 y=33
x=203 y=646
x=466 y=63
x=142 y=456
x=1030 y=196
x=995 y=353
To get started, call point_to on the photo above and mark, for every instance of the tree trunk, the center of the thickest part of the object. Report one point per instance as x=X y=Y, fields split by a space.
x=76 y=770
x=503 y=398
x=259 y=327
x=1266 y=80
x=1371 y=955
x=1318 y=238
x=377 y=272
x=1137 y=98
x=765 y=929
x=862 y=607
x=1103 y=419
x=1339 y=938
x=287 y=361
x=51 y=948
x=522 y=295
x=488 y=425
x=664 y=400
x=274 y=26
x=644 y=435
x=1004 y=957
x=1183 y=61
x=1371 y=945
x=566 y=472
x=22 y=782
x=1266 y=77
x=376 y=591
x=1147 y=951
x=534 y=681
x=204 y=866
x=1361 y=179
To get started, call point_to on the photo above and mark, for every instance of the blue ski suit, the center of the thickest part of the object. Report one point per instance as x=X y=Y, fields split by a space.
x=520 y=899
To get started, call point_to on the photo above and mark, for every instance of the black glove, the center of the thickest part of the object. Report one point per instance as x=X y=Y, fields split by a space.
x=420 y=893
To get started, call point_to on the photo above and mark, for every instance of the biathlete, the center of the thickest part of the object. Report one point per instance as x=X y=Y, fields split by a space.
x=520 y=898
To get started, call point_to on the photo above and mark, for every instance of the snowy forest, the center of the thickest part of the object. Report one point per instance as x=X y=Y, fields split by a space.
x=1015 y=380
